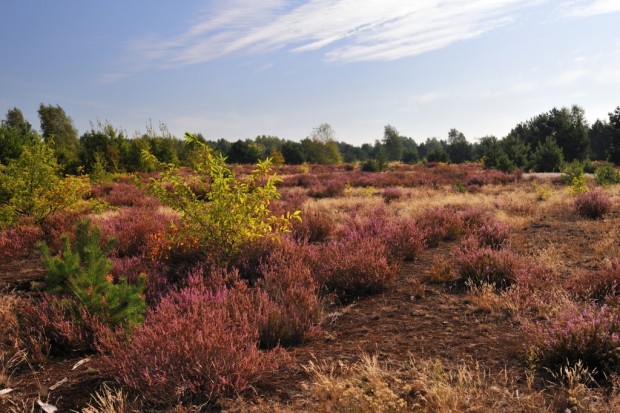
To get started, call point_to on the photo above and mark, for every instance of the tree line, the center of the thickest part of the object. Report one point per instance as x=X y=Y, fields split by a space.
x=543 y=143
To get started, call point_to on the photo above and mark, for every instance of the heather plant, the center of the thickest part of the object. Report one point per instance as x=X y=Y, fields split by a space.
x=598 y=285
x=197 y=345
x=294 y=312
x=405 y=240
x=480 y=265
x=402 y=237
x=331 y=189
x=492 y=233
x=474 y=218
x=392 y=194
x=134 y=228
x=316 y=226
x=56 y=326
x=58 y=225
x=18 y=241
x=443 y=224
x=9 y=324
x=236 y=211
x=83 y=273
x=31 y=186
x=586 y=333
x=136 y=269
x=352 y=267
x=607 y=174
x=124 y=194
x=593 y=204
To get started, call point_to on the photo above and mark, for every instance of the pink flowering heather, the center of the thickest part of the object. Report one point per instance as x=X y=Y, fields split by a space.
x=19 y=241
x=352 y=268
x=197 y=345
x=588 y=333
x=593 y=204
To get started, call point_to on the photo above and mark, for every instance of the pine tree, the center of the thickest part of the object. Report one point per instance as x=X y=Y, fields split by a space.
x=84 y=273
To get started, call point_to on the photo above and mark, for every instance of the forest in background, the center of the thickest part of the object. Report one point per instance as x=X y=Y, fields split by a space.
x=544 y=143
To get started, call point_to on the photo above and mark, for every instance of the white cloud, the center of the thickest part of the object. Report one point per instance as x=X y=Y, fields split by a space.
x=429 y=97
x=609 y=76
x=523 y=87
x=568 y=77
x=593 y=8
x=353 y=30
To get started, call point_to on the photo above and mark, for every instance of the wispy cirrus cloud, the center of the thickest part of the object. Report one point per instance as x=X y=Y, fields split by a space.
x=350 y=30
x=592 y=8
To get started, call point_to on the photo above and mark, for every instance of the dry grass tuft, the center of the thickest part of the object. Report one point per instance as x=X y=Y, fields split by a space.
x=422 y=386
x=108 y=400
x=485 y=298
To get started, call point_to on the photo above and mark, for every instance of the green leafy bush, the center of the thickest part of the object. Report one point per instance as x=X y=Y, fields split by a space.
x=235 y=211
x=606 y=174
x=31 y=186
x=571 y=171
x=85 y=274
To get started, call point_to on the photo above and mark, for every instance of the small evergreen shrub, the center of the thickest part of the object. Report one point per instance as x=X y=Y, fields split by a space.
x=607 y=174
x=579 y=185
x=197 y=345
x=571 y=171
x=84 y=273
x=593 y=204
x=373 y=165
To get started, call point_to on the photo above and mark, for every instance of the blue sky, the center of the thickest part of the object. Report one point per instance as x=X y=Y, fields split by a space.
x=235 y=69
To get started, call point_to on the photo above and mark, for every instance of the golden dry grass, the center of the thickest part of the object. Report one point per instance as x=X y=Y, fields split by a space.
x=108 y=400
x=417 y=386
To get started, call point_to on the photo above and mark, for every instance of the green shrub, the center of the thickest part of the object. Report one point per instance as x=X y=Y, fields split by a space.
x=579 y=185
x=571 y=171
x=31 y=186
x=373 y=165
x=548 y=156
x=84 y=273
x=234 y=212
x=606 y=174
